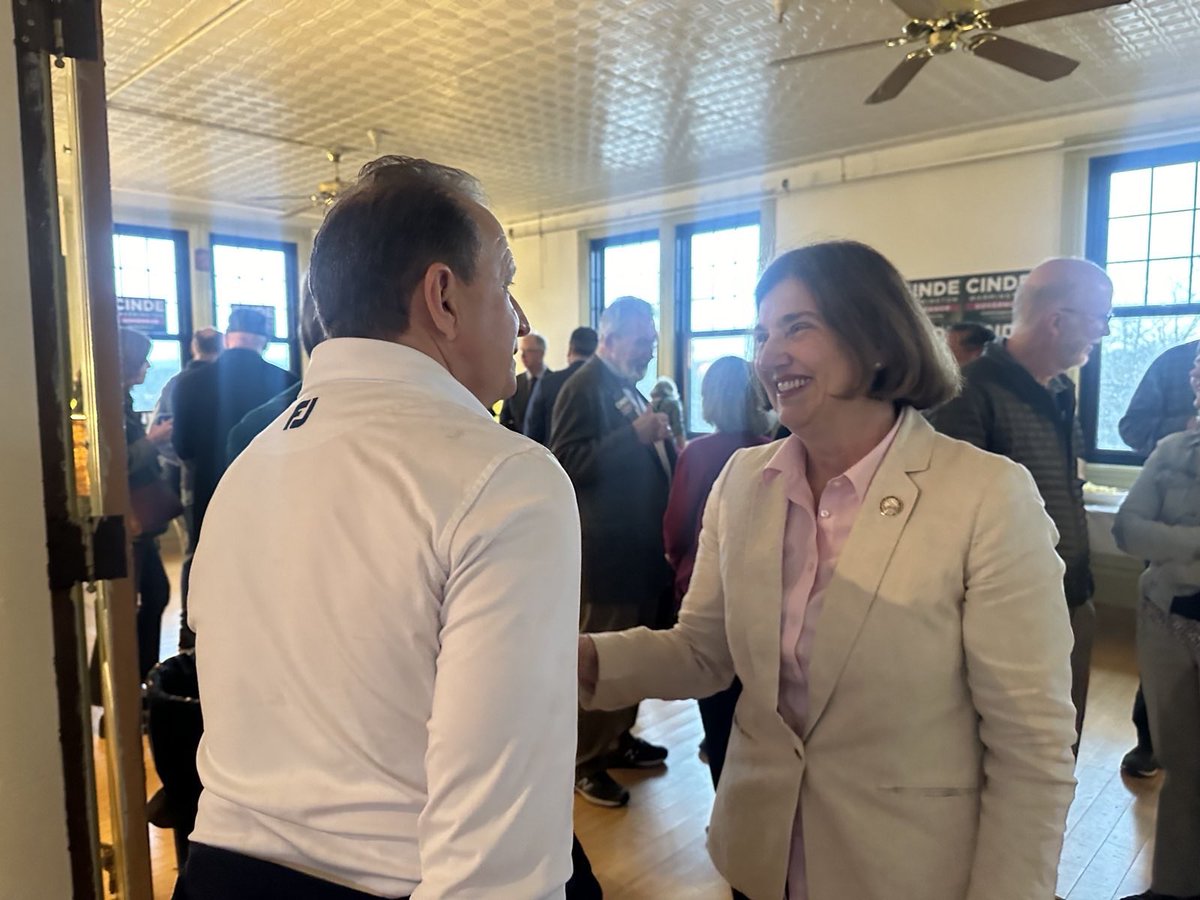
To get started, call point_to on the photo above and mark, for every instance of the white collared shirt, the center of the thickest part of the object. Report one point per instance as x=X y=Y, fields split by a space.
x=385 y=600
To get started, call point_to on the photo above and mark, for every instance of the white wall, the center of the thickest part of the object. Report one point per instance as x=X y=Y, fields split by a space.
x=548 y=289
x=991 y=215
x=33 y=833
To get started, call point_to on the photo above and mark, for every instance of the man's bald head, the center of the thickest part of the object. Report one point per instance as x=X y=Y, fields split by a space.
x=1061 y=312
x=1061 y=282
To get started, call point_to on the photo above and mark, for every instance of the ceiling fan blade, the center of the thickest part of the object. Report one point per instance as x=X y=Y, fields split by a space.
x=833 y=51
x=1024 y=58
x=900 y=77
x=1038 y=10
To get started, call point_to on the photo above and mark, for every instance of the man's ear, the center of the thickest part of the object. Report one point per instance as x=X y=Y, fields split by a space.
x=441 y=297
x=1054 y=322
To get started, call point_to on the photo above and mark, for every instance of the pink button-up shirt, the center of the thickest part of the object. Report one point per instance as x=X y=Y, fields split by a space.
x=812 y=541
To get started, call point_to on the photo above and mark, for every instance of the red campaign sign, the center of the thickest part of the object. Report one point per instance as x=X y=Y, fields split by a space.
x=145 y=314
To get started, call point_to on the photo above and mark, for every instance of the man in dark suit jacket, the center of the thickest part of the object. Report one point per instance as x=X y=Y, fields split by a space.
x=540 y=411
x=619 y=455
x=208 y=402
x=312 y=333
x=533 y=358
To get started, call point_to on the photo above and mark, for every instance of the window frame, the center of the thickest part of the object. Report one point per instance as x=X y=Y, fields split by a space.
x=291 y=278
x=596 y=248
x=683 y=296
x=183 y=281
x=1100 y=171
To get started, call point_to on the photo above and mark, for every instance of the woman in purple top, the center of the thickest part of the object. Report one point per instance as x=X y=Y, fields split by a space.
x=734 y=405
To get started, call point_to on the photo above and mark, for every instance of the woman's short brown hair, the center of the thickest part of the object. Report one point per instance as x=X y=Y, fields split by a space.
x=866 y=303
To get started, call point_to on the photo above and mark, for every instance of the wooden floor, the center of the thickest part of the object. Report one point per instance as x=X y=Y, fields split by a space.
x=654 y=848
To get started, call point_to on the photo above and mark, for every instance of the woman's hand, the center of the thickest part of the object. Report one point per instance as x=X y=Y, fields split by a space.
x=589 y=664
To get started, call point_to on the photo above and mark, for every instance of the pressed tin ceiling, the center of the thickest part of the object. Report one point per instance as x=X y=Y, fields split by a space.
x=556 y=103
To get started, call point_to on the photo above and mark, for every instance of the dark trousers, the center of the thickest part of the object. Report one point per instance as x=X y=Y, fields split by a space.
x=583 y=884
x=154 y=593
x=215 y=874
x=187 y=637
x=716 y=713
x=1141 y=721
x=1083 y=626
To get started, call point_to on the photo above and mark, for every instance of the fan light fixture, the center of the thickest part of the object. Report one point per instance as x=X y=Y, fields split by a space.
x=942 y=31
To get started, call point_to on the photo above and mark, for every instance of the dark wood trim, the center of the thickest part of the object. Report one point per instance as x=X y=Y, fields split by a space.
x=67 y=555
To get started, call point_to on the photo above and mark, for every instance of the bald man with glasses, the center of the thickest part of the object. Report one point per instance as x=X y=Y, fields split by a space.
x=1018 y=401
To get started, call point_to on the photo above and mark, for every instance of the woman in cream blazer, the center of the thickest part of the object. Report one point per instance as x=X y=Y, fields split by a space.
x=933 y=760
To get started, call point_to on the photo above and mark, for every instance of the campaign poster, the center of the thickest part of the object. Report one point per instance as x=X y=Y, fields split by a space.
x=985 y=297
x=145 y=314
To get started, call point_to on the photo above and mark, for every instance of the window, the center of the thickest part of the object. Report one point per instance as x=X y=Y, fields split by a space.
x=627 y=265
x=150 y=267
x=262 y=275
x=717 y=266
x=1142 y=228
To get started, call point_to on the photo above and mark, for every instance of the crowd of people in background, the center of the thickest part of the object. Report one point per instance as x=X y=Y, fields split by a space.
x=873 y=574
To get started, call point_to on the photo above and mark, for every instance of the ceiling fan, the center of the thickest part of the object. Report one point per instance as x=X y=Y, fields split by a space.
x=942 y=26
x=323 y=196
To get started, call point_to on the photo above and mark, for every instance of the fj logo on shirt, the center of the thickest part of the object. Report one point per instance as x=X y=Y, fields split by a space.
x=301 y=413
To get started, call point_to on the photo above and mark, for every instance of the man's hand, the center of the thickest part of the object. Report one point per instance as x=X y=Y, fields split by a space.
x=160 y=432
x=651 y=427
x=589 y=664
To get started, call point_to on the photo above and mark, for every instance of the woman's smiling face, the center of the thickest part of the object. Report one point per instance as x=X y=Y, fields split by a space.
x=803 y=366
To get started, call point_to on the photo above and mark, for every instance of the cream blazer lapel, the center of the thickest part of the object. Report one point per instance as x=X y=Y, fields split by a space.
x=756 y=573
x=865 y=558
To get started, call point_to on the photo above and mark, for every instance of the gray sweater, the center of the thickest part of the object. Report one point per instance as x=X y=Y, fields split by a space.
x=1160 y=520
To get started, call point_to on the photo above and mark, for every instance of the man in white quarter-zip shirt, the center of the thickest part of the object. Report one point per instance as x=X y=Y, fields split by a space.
x=389 y=700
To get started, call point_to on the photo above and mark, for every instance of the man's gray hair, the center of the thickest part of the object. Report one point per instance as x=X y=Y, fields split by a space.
x=537 y=339
x=620 y=315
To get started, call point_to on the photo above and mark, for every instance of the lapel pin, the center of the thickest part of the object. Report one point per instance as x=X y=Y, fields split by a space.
x=890 y=506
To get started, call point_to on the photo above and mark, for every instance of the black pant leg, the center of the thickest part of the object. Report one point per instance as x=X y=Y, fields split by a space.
x=187 y=637
x=583 y=884
x=716 y=713
x=154 y=593
x=1141 y=720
